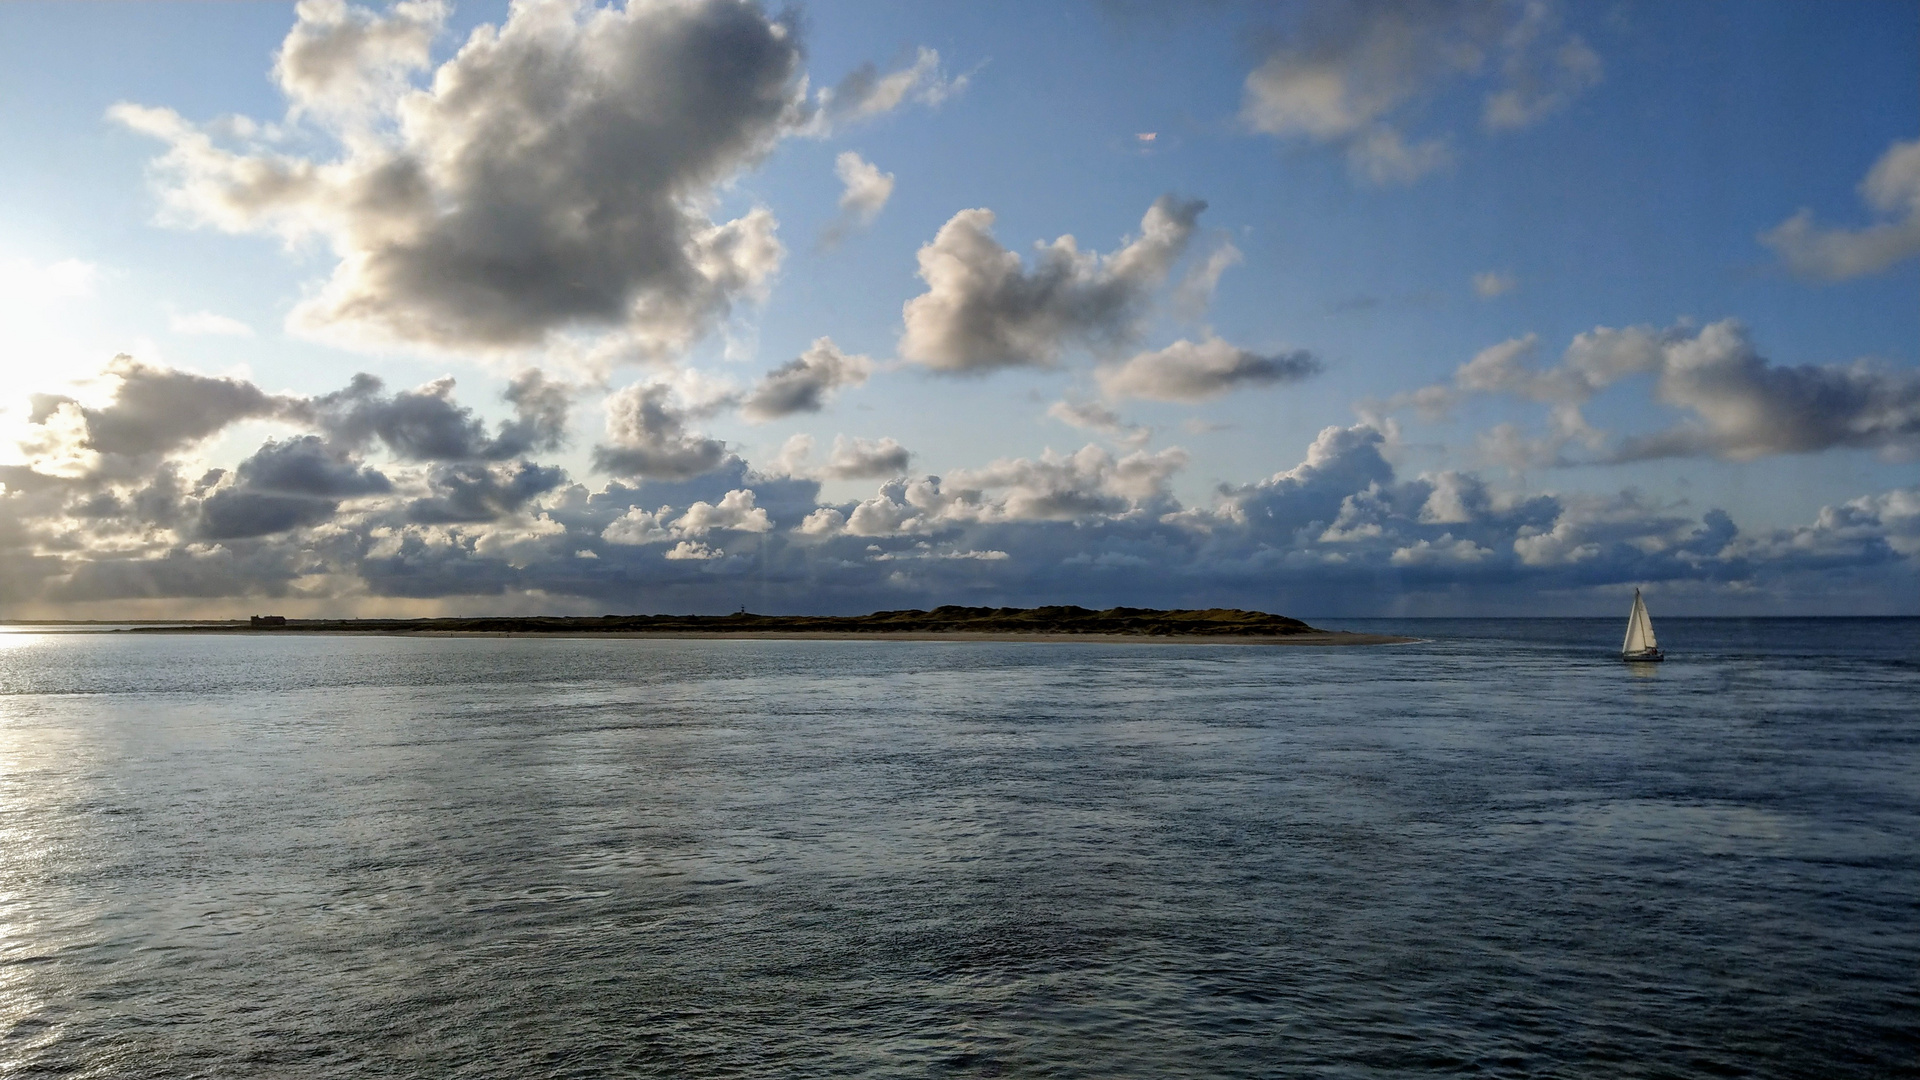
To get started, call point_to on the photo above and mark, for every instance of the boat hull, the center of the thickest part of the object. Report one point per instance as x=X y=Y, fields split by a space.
x=1645 y=656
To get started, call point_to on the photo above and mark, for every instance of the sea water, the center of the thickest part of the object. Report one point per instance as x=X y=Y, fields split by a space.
x=1498 y=851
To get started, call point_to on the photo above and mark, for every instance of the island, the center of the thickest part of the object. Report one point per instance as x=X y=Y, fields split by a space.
x=950 y=622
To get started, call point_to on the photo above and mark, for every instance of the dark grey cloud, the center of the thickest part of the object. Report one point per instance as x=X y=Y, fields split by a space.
x=236 y=513
x=983 y=310
x=427 y=424
x=308 y=466
x=806 y=383
x=284 y=486
x=473 y=492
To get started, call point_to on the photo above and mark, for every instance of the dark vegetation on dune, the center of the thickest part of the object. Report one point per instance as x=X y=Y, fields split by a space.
x=949 y=619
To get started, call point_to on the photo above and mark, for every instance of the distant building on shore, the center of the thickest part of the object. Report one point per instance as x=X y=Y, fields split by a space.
x=260 y=621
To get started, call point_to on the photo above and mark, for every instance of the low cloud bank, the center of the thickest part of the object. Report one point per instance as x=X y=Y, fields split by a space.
x=458 y=512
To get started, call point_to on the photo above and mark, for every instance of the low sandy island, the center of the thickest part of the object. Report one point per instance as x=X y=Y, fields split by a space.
x=1224 y=626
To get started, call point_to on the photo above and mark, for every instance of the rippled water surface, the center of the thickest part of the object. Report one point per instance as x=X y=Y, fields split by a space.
x=1499 y=851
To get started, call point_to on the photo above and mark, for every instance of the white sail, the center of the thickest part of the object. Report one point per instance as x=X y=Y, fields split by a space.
x=1639 y=629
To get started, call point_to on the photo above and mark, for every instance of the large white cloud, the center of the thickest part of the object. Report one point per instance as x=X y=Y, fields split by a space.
x=1346 y=73
x=1892 y=189
x=553 y=177
x=983 y=310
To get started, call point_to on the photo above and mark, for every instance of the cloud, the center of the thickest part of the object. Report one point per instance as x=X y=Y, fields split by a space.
x=153 y=411
x=850 y=459
x=284 y=486
x=735 y=513
x=305 y=522
x=306 y=465
x=469 y=491
x=853 y=459
x=1346 y=74
x=1892 y=190
x=867 y=190
x=1054 y=487
x=648 y=436
x=639 y=526
x=548 y=178
x=1196 y=371
x=1092 y=416
x=865 y=93
x=1541 y=72
x=983 y=310
x=1738 y=405
x=805 y=384
x=207 y=323
x=426 y=424
x=1491 y=283
x=347 y=61
x=1194 y=294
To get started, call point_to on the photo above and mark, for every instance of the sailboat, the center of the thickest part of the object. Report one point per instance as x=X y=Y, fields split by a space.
x=1640 y=643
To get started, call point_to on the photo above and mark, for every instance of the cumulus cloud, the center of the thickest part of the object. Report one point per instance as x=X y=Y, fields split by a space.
x=153 y=411
x=1737 y=404
x=469 y=491
x=1196 y=371
x=1892 y=190
x=849 y=459
x=1053 y=487
x=548 y=178
x=866 y=191
x=647 y=436
x=734 y=512
x=1093 y=416
x=426 y=424
x=306 y=465
x=286 y=485
x=348 y=61
x=983 y=310
x=1346 y=74
x=853 y=459
x=305 y=521
x=639 y=526
x=805 y=384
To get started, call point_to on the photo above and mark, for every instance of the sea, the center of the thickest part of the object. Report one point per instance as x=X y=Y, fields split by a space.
x=1497 y=851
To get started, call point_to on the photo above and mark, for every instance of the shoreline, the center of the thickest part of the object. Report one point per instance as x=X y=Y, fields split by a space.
x=1325 y=638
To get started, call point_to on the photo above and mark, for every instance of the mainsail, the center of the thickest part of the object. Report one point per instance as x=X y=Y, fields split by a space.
x=1639 y=629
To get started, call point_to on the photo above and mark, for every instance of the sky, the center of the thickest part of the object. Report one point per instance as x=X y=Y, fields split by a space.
x=1334 y=310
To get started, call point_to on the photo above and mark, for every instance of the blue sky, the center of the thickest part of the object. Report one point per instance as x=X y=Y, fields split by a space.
x=1270 y=402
